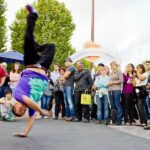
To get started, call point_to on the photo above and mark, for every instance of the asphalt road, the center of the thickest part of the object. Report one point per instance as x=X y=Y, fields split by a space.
x=48 y=134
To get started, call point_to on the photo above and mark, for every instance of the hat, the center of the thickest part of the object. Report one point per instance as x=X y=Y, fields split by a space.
x=68 y=59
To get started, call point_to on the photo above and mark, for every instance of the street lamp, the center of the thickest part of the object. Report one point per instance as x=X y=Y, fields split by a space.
x=92 y=21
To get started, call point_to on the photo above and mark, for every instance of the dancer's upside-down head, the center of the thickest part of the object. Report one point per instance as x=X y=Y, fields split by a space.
x=19 y=109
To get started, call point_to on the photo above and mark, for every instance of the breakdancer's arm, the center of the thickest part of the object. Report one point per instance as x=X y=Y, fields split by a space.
x=31 y=119
x=30 y=122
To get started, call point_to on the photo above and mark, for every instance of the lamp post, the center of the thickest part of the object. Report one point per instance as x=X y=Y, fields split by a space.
x=91 y=44
x=92 y=21
x=92 y=27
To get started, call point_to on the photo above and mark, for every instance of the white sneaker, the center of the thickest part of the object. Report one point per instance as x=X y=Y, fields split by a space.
x=38 y=117
x=46 y=117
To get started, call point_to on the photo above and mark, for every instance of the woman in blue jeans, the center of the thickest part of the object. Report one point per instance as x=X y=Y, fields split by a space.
x=115 y=88
x=48 y=93
x=101 y=85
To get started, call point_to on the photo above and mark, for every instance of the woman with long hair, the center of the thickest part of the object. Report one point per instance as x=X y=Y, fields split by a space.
x=127 y=94
x=14 y=75
x=48 y=95
x=59 y=97
x=141 y=81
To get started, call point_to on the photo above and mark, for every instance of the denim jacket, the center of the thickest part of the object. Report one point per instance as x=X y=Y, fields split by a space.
x=101 y=83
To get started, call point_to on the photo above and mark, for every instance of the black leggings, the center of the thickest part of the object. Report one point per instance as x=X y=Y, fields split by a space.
x=127 y=101
x=141 y=109
x=31 y=48
x=59 y=104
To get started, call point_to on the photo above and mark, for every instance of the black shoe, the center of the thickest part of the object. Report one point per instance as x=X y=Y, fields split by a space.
x=147 y=127
x=77 y=120
x=56 y=118
x=106 y=123
x=118 y=123
x=93 y=119
x=70 y=119
x=86 y=121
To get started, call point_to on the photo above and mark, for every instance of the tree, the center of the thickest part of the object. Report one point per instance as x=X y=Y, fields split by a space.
x=54 y=25
x=2 y=24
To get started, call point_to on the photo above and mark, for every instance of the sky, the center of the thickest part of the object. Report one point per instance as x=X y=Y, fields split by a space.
x=121 y=26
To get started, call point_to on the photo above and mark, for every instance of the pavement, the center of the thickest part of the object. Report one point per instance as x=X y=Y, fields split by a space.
x=48 y=134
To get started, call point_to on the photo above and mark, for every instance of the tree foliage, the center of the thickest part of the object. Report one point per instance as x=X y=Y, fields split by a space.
x=2 y=24
x=54 y=25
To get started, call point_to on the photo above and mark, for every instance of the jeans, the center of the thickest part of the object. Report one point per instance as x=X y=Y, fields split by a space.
x=45 y=102
x=148 y=106
x=102 y=104
x=115 y=98
x=69 y=102
x=2 y=90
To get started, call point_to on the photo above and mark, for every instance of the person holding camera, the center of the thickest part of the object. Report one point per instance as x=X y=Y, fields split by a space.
x=101 y=86
x=141 y=93
x=46 y=100
x=59 y=96
x=127 y=94
x=115 y=89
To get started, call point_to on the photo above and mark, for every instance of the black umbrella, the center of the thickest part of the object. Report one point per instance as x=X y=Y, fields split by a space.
x=11 y=57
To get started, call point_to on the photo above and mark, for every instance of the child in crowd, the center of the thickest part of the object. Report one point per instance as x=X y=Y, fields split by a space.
x=6 y=104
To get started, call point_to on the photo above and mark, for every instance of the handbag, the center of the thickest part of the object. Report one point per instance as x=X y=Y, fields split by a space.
x=144 y=91
x=86 y=99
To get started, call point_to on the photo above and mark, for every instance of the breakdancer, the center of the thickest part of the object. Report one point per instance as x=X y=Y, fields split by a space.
x=34 y=80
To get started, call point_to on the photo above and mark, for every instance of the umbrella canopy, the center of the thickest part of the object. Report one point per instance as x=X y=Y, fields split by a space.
x=92 y=55
x=11 y=57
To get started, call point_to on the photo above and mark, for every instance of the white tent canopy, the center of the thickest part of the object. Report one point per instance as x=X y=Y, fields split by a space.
x=100 y=53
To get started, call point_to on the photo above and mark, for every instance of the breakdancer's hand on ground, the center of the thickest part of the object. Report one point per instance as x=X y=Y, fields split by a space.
x=23 y=135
